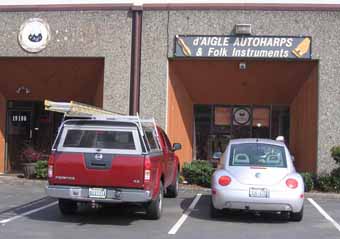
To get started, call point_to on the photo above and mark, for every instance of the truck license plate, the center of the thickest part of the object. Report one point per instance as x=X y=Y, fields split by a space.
x=97 y=192
x=259 y=192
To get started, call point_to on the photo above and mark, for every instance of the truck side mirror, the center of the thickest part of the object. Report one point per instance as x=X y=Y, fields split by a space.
x=176 y=146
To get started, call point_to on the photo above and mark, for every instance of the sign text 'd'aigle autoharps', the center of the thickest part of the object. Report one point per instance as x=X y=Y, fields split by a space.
x=243 y=47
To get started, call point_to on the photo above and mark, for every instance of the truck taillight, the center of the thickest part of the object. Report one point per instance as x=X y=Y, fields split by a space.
x=147 y=169
x=50 y=171
x=50 y=166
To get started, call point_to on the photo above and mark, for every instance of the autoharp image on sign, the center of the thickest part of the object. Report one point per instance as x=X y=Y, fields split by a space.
x=185 y=49
x=302 y=48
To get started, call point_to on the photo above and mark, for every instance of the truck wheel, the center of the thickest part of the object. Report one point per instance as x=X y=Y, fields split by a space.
x=67 y=207
x=172 y=190
x=154 y=208
x=214 y=212
x=296 y=216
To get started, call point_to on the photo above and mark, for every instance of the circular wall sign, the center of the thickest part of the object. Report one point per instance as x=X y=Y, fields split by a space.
x=241 y=116
x=34 y=35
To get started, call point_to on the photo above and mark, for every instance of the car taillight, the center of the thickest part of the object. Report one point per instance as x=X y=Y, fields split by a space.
x=224 y=180
x=147 y=169
x=292 y=183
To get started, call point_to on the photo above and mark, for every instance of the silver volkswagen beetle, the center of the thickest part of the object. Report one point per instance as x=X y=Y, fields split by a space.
x=257 y=175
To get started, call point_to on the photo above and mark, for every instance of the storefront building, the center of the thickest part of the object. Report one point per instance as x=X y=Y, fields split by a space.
x=206 y=72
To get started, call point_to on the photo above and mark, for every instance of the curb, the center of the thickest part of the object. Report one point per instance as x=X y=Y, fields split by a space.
x=322 y=195
x=15 y=180
x=193 y=189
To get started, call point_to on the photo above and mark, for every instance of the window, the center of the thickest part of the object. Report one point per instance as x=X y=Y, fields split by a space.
x=167 y=141
x=257 y=154
x=151 y=139
x=261 y=117
x=79 y=138
x=222 y=116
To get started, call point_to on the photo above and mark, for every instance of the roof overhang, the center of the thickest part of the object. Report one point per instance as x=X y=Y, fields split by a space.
x=55 y=5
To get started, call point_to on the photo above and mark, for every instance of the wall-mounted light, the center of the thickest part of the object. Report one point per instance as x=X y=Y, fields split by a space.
x=242 y=66
x=242 y=29
x=23 y=90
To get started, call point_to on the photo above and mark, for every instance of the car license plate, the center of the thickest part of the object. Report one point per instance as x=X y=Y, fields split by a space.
x=259 y=192
x=97 y=192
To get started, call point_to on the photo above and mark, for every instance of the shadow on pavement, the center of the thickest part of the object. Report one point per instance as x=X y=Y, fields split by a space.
x=202 y=212
x=114 y=214
x=26 y=206
x=119 y=214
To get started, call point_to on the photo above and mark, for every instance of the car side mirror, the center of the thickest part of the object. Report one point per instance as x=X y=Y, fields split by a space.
x=293 y=158
x=176 y=146
x=217 y=155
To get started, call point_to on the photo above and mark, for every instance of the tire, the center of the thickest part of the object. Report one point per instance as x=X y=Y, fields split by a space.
x=296 y=216
x=67 y=207
x=154 y=208
x=172 y=190
x=214 y=212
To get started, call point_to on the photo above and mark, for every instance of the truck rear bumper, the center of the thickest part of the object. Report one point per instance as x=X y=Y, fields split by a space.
x=113 y=195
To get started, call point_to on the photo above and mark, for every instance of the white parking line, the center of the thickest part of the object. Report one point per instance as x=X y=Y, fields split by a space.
x=27 y=213
x=185 y=215
x=323 y=213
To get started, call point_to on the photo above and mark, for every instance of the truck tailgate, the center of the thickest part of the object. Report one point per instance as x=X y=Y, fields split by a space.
x=101 y=170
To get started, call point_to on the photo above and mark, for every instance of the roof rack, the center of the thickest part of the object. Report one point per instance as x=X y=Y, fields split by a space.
x=80 y=110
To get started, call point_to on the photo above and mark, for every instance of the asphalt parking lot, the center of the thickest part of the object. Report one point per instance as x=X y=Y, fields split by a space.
x=32 y=215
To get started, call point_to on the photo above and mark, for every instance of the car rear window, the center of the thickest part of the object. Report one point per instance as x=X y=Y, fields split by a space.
x=257 y=154
x=99 y=139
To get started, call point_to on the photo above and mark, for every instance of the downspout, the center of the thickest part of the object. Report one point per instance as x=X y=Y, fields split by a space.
x=136 y=45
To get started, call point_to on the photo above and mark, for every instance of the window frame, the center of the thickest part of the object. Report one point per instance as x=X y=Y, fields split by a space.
x=167 y=142
x=135 y=134
x=155 y=138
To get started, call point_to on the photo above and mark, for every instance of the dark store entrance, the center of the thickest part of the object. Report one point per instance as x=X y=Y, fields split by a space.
x=215 y=125
x=30 y=132
x=26 y=129
x=211 y=101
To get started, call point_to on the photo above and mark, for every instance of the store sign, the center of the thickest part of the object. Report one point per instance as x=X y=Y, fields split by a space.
x=241 y=116
x=19 y=118
x=244 y=47
x=34 y=35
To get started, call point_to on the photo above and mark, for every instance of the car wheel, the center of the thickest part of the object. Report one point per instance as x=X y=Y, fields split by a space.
x=214 y=212
x=67 y=207
x=154 y=208
x=296 y=216
x=172 y=190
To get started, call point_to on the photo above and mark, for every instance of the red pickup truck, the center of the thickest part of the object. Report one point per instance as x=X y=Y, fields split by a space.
x=112 y=160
